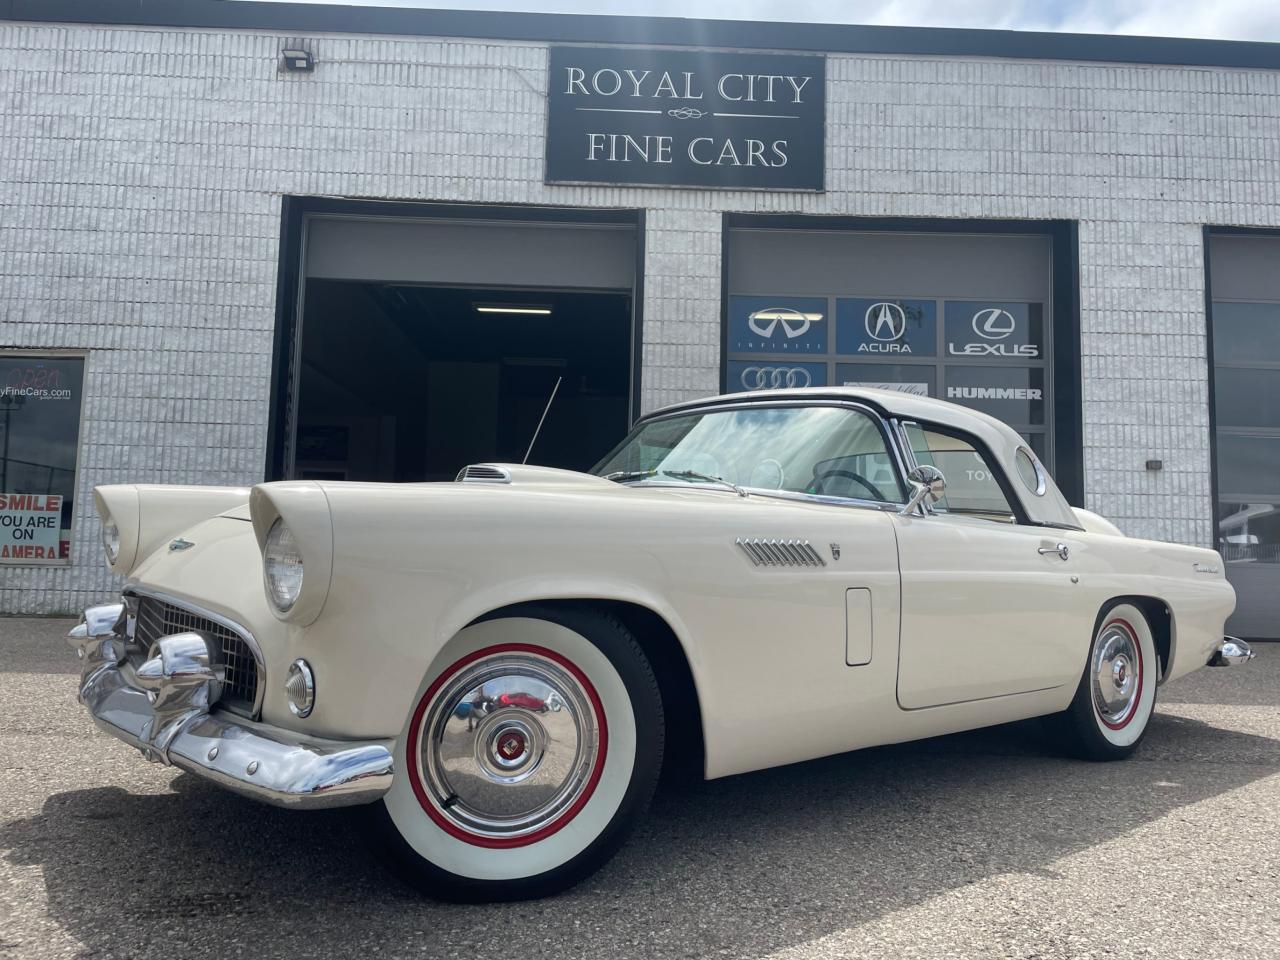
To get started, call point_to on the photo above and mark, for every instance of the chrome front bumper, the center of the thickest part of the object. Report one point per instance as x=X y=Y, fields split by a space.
x=1231 y=651
x=164 y=707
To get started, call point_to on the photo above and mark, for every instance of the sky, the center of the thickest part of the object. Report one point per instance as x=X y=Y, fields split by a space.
x=1221 y=19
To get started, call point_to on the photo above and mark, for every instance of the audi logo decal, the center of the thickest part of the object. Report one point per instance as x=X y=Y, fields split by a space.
x=795 y=323
x=885 y=321
x=775 y=378
x=993 y=323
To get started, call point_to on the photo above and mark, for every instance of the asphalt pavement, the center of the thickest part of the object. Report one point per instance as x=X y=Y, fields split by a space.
x=976 y=845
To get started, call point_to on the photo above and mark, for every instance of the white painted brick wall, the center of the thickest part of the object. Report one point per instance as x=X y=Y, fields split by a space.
x=141 y=173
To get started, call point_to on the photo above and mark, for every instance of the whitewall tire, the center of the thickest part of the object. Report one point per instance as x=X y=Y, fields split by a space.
x=1112 y=707
x=534 y=743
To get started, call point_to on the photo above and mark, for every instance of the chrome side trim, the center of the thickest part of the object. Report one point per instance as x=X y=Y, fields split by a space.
x=483 y=473
x=136 y=589
x=1231 y=652
x=780 y=553
x=163 y=709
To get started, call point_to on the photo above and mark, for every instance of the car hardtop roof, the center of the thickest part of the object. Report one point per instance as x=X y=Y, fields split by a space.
x=893 y=403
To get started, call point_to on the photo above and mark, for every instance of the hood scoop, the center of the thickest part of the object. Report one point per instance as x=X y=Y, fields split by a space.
x=523 y=475
x=483 y=473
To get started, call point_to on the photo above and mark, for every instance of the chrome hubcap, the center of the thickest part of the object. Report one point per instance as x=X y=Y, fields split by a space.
x=507 y=745
x=1117 y=674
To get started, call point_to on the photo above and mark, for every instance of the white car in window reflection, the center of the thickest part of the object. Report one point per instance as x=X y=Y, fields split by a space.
x=499 y=667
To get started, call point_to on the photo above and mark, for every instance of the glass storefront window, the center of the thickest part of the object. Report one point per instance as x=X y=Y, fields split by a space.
x=990 y=355
x=1246 y=348
x=40 y=400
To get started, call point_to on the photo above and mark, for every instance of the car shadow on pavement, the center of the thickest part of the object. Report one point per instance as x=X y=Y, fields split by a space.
x=747 y=864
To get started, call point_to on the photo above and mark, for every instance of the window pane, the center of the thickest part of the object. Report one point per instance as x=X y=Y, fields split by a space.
x=1249 y=532
x=1012 y=394
x=1247 y=398
x=1246 y=332
x=1248 y=468
x=972 y=486
x=39 y=437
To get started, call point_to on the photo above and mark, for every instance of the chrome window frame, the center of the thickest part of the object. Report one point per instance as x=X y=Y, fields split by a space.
x=1018 y=512
x=891 y=447
x=133 y=589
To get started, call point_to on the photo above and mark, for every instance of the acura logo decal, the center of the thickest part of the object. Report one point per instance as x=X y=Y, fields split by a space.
x=993 y=323
x=761 y=378
x=885 y=321
x=795 y=323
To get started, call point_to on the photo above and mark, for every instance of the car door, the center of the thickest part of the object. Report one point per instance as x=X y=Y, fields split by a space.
x=989 y=607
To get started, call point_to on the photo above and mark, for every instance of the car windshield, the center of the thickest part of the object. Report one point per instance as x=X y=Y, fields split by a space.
x=823 y=450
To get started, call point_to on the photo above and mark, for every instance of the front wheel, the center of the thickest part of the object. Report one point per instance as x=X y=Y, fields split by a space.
x=1108 y=716
x=496 y=801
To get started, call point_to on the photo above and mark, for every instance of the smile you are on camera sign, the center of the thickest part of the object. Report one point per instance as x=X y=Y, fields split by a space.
x=685 y=118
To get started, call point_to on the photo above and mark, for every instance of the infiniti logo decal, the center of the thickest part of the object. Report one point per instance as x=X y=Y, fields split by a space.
x=795 y=323
x=993 y=323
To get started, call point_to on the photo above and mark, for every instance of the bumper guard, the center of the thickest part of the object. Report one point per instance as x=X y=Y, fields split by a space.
x=163 y=707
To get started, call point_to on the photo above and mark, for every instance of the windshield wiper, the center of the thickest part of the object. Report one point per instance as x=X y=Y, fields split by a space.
x=695 y=475
x=626 y=476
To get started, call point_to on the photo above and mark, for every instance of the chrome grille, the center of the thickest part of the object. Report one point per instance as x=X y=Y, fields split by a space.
x=158 y=618
x=780 y=553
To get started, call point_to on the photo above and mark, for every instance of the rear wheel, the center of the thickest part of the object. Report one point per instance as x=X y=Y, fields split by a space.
x=533 y=747
x=1108 y=716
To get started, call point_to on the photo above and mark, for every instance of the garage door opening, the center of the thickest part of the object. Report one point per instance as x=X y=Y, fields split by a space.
x=405 y=382
x=413 y=338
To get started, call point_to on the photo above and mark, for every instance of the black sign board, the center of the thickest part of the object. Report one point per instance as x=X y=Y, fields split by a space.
x=685 y=118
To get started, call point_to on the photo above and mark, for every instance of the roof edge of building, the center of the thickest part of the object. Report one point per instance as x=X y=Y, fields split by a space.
x=304 y=18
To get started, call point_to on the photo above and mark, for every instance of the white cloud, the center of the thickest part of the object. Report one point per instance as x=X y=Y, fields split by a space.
x=1223 y=19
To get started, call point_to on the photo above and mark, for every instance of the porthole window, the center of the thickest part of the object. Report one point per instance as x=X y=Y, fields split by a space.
x=1029 y=471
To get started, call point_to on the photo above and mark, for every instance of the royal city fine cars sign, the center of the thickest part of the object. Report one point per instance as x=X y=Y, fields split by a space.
x=685 y=118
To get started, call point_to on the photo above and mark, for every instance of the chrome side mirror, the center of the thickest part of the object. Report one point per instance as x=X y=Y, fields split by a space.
x=928 y=483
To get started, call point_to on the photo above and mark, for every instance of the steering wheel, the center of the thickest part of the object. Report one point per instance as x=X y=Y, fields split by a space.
x=820 y=480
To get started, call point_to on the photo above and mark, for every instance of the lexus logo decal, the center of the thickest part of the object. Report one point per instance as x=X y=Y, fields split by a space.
x=795 y=323
x=774 y=378
x=885 y=321
x=993 y=323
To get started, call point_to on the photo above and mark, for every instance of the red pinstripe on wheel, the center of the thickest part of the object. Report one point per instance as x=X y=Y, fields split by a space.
x=1142 y=677
x=415 y=776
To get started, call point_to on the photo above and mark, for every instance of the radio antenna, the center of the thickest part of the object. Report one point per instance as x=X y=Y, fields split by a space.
x=542 y=420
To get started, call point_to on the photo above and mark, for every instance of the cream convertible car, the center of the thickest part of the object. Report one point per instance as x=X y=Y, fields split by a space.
x=495 y=664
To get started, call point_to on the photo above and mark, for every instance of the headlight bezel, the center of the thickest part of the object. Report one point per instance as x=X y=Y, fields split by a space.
x=283 y=567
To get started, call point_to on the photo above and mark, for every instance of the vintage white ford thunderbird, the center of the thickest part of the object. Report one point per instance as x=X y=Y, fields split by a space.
x=496 y=664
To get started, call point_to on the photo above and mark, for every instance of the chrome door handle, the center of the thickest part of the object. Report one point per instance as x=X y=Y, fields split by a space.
x=1060 y=549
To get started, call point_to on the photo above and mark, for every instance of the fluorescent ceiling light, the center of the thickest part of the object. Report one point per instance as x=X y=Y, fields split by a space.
x=513 y=308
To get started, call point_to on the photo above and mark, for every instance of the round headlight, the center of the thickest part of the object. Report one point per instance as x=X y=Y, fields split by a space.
x=300 y=688
x=282 y=564
x=111 y=540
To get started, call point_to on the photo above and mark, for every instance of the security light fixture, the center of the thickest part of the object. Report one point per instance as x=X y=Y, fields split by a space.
x=297 y=61
x=515 y=308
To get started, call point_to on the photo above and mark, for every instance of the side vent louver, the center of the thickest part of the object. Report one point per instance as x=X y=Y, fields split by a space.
x=483 y=473
x=780 y=553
